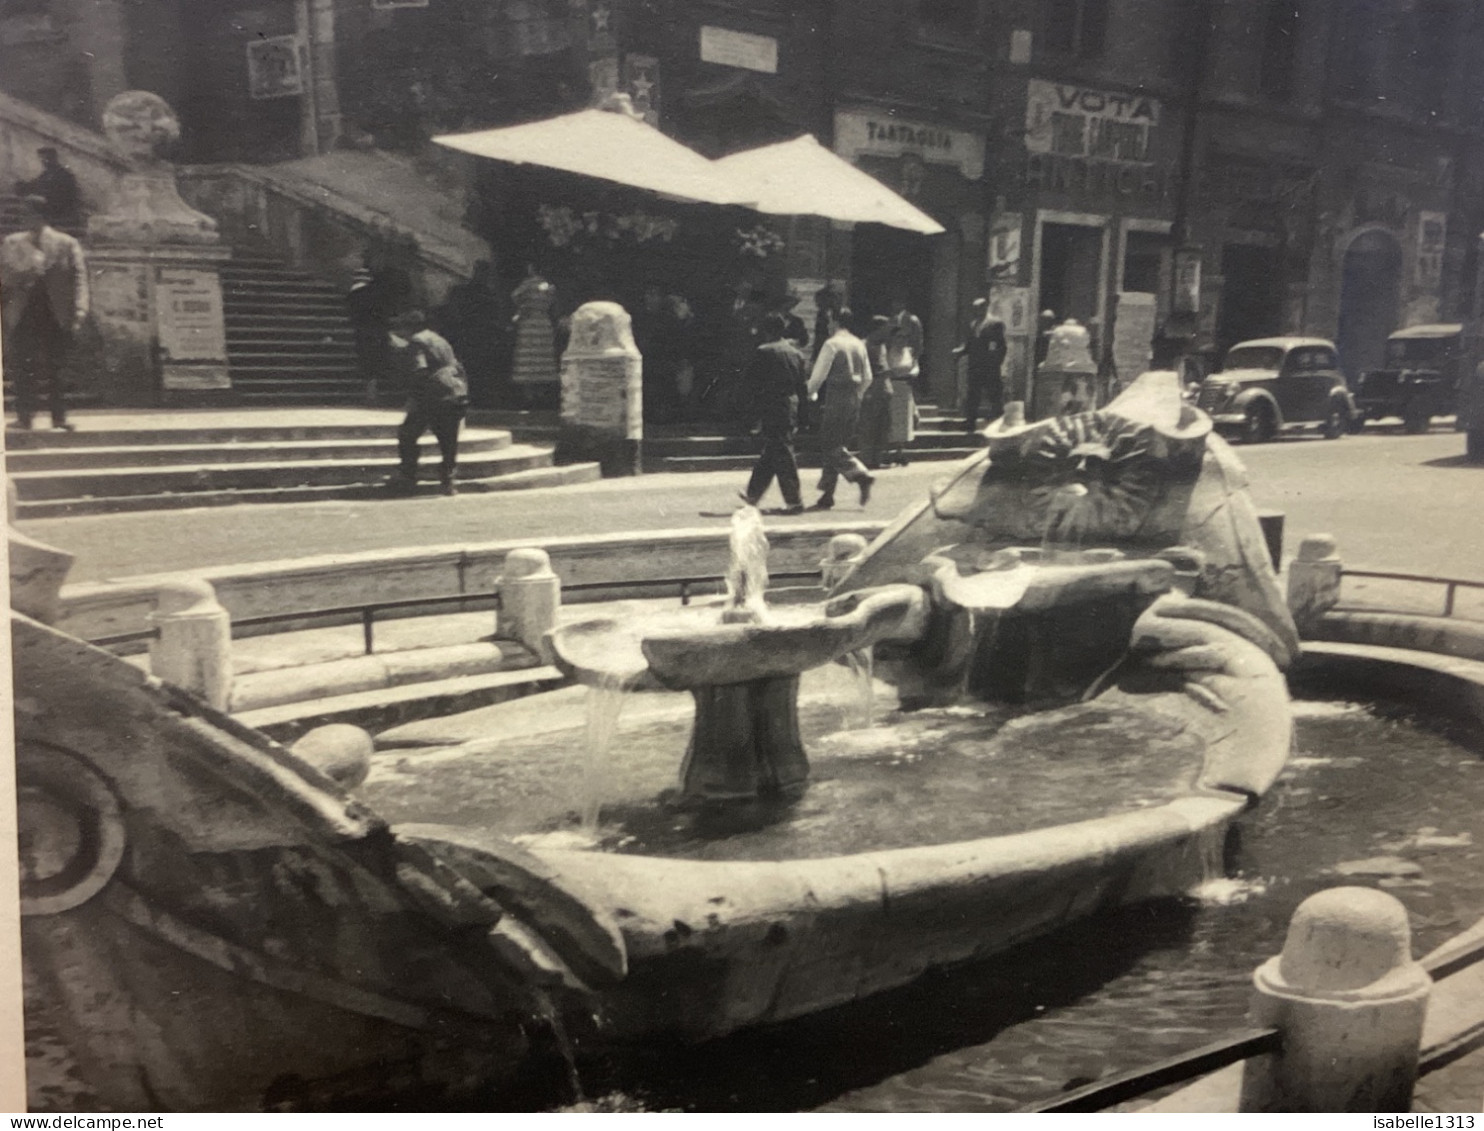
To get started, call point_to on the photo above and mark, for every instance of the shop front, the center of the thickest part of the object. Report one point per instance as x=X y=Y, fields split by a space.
x=940 y=169
x=1085 y=233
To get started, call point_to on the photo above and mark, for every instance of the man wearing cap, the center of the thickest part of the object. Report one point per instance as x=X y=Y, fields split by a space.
x=58 y=187
x=984 y=348
x=437 y=398
x=44 y=284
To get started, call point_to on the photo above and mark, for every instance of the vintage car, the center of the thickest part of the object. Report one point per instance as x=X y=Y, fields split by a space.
x=1272 y=384
x=1420 y=380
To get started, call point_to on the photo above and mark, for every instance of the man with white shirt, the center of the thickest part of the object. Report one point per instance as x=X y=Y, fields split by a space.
x=44 y=292
x=843 y=370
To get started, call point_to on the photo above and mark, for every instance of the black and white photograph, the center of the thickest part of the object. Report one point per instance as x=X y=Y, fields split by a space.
x=730 y=556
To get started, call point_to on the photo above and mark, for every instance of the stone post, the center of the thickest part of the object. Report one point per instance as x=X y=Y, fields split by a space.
x=1314 y=580
x=155 y=272
x=194 y=647
x=843 y=555
x=1066 y=379
x=530 y=598
x=1349 y=1001
x=602 y=391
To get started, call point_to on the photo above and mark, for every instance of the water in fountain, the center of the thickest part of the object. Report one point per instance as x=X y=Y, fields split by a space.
x=604 y=704
x=862 y=664
x=1062 y=538
x=747 y=571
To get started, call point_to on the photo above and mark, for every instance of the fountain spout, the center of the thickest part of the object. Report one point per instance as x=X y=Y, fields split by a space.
x=747 y=571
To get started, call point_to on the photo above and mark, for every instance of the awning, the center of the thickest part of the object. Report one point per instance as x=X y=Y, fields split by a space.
x=609 y=145
x=803 y=178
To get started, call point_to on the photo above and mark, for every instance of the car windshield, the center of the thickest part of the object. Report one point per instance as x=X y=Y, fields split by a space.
x=1254 y=357
x=1415 y=351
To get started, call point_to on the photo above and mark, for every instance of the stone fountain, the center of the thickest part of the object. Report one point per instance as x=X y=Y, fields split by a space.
x=1101 y=570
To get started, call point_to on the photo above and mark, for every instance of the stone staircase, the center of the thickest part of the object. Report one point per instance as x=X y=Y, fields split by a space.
x=288 y=335
x=118 y=461
x=706 y=447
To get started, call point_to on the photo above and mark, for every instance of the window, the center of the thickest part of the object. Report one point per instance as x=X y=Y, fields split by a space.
x=951 y=20
x=1075 y=27
x=1279 y=48
x=1436 y=34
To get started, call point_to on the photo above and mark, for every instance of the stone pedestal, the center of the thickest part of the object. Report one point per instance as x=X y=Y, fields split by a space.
x=602 y=392
x=159 y=311
x=194 y=647
x=1314 y=579
x=155 y=265
x=530 y=598
x=1349 y=1001
x=1067 y=379
x=745 y=743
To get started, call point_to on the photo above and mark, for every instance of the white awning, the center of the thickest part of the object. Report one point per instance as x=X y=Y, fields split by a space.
x=803 y=178
x=609 y=145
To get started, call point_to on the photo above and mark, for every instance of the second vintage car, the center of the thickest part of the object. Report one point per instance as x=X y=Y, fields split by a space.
x=1270 y=385
x=1420 y=379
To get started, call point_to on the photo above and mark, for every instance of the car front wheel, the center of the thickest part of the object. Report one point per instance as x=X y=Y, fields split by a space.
x=1475 y=448
x=1259 y=426
x=1416 y=419
x=1336 y=422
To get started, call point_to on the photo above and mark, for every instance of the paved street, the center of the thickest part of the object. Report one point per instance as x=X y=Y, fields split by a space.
x=1394 y=501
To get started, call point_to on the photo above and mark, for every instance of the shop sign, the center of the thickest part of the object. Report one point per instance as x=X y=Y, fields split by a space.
x=1432 y=235
x=275 y=67
x=1083 y=175
x=1004 y=245
x=883 y=134
x=729 y=48
x=1082 y=121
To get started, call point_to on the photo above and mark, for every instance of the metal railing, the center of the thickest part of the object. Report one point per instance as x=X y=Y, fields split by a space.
x=1243 y=1045
x=1451 y=585
x=366 y=613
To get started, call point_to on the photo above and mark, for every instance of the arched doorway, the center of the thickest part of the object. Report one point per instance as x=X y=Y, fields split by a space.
x=1370 y=300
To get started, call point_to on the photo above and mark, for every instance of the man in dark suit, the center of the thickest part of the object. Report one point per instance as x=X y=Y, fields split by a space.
x=985 y=349
x=44 y=289
x=775 y=377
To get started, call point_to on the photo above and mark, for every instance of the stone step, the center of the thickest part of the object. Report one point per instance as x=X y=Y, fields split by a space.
x=806 y=459
x=294 y=353
x=471 y=442
x=666 y=447
x=94 y=433
x=548 y=476
x=272 y=334
x=116 y=482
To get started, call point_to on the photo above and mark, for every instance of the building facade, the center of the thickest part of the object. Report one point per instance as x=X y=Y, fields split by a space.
x=1227 y=168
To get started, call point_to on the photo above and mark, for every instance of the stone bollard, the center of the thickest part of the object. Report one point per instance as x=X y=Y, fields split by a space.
x=843 y=556
x=530 y=598
x=1349 y=1001
x=194 y=647
x=1314 y=580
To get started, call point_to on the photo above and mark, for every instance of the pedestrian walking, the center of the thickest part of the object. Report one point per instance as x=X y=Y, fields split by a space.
x=44 y=293
x=57 y=185
x=438 y=398
x=776 y=376
x=843 y=371
x=984 y=349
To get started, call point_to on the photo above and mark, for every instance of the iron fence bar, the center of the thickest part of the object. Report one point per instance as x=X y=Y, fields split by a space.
x=1448 y=598
x=1393 y=575
x=1451 y=964
x=1440 y=1056
x=370 y=609
x=368 y=619
x=1177 y=1070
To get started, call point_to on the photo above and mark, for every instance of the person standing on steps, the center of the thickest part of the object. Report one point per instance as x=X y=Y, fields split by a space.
x=44 y=293
x=843 y=370
x=438 y=398
x=984 y=347
x=57 y=185
x=776 y=379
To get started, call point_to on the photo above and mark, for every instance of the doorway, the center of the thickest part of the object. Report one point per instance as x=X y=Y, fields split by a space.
x=1071 y=274
x=1370 y=300
x=1251 y=295
x=889 y=263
